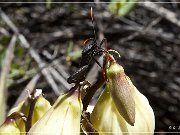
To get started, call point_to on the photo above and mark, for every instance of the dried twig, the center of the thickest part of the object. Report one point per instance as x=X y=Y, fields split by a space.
x=41 y=64
x=9 y=22
x=143 y=31
x=169 y=15
x=59 y=78
x=4 y=32
x=60 y=68
x=4 y=75
x=150 y=33
x=30 y=86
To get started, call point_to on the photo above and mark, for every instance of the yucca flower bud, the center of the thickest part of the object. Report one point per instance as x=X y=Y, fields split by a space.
x=11 y=126
x=122 y=108
x=41 y=107
x=121 y=92
x=63 y=118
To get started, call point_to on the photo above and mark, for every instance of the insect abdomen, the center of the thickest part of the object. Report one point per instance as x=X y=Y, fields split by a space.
x=79 y=75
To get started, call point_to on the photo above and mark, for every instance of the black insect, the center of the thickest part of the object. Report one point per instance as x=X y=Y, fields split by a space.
x=90 y=51
x=79 y=75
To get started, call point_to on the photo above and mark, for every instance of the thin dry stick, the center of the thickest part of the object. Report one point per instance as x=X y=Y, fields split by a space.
x=8 y=21
x=34 y=54
x=143 y=31
x=4 y=75
x=41 y=64
x=60 y=68
x=4 y=32
x=30 y=86
x=59 y=78
x=163 y=12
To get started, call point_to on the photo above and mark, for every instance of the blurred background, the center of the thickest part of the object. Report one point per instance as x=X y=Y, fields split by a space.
x=41 y=44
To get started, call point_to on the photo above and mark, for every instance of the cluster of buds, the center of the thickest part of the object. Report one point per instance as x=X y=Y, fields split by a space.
x=121 y=109
x=61 y=118
x=25 y=114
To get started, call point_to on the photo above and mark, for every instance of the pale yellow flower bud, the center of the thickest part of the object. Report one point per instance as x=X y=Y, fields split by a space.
x=121 y=92
x=12 y=126
x=63 y=118
x=9 y=128
x=41 y=107
x=112 y=113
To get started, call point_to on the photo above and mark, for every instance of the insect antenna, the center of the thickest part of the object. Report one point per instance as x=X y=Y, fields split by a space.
x=92 y=19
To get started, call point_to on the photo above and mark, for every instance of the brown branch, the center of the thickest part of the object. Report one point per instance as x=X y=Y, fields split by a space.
x=33 y=98
x=91 y=91
x=30 y=86
x=30 y=115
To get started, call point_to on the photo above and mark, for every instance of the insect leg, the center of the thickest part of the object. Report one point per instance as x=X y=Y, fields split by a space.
x=104 y=40
x=87 y=40
x=97 y=62
x=111 y=50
